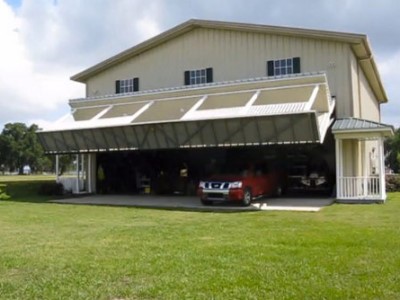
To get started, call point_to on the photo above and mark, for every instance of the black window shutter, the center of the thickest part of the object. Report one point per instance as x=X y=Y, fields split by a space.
x=296 y=65
x=136 y=84
x=270 y=68
x=187 y=77
x=209 y=75
x=117 y=89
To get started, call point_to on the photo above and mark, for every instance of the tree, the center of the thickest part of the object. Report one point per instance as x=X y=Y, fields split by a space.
x=19 y=146
x=392 y=146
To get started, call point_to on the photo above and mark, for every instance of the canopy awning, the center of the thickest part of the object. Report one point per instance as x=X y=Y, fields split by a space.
x=360 y=129
x=295 y=110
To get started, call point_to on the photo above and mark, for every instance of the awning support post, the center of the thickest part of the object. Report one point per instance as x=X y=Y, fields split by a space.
x=339 y=166
x=89 y=173
x=382 y=182
x=57 y=168
x=77 y=173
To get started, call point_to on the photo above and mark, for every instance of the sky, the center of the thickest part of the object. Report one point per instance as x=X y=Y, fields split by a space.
x=44 y=42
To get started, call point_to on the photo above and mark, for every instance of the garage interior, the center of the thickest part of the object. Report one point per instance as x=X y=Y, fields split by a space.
x=178 y=171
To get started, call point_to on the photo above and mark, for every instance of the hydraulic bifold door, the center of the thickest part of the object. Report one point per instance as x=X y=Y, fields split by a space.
x=294 y=112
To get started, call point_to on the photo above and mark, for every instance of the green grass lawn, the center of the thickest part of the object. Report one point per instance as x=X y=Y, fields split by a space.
x=53 y=251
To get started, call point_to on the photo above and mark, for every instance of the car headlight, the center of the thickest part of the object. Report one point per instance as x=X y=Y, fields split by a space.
x=236 y=185
x=202 y=184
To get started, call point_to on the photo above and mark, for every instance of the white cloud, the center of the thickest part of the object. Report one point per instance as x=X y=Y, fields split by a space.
x=25 y=92
x=388 y=65
x=390 y=72
x=44 y=42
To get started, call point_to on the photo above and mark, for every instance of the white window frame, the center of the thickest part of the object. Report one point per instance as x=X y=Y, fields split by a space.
x=126 y=86
x=198 y=76
x=283 y=66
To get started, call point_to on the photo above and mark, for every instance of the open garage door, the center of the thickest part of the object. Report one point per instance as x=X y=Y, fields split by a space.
x=260 y=112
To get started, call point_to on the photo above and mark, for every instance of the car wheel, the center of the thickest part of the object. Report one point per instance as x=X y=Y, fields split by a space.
x=247 y=197
x=206 y=202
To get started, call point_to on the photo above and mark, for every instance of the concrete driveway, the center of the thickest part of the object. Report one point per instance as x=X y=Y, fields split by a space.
x=193 y=203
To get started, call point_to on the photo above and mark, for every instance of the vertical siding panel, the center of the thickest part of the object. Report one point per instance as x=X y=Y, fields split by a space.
x=354 y=86
x=240 y=70
x=246 y=59
x=272 y=47
x=299 y=51
x=286 y=48
x=263 y=55
x=236 y=63
x=252 y=56
x=345 y=82
x=267 y=47
x=248 y=70
x=311 y=55
x=224 y=40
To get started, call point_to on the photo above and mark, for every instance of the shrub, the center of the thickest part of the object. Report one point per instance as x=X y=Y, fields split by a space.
x=51 y=189
x=3 y=194
x=393 y=182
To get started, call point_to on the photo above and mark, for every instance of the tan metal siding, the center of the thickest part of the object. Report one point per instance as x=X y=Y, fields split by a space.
x=368 y=101
x=350 y=158
x=355 y=86
x=233 y=55
x=365 y=103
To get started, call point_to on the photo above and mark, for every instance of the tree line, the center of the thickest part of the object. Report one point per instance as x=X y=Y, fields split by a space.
x=20 y=146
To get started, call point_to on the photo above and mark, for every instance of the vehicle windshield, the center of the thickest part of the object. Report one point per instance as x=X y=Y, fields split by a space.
x=244 y=169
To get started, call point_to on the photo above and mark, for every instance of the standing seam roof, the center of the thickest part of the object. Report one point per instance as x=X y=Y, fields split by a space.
x=352 y=124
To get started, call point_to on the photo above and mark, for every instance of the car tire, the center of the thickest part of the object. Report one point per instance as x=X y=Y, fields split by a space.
x=247 y=197
x=206 y=202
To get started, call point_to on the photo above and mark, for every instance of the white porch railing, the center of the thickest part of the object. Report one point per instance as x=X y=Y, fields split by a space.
x=359 y=188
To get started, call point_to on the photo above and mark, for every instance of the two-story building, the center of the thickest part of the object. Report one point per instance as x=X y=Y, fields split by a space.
x=207 y=94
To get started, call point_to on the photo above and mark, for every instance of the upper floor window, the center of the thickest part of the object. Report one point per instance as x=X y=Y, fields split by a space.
x=285 y=66
x=198 y=76
x=127 y=85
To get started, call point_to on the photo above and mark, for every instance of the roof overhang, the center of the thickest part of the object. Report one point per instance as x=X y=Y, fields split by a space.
x=293 y=110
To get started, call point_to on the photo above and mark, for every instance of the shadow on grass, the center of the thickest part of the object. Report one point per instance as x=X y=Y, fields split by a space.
x=28 y=191
x=200 y=209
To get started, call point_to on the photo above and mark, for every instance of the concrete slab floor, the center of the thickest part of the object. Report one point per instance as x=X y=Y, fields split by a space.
x=193 y=203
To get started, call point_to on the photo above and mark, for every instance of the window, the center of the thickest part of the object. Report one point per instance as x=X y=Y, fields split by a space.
x=198 y=76
x=282 y=67
x=127 y=85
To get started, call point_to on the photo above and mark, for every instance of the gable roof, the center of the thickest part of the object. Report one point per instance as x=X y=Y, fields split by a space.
x=359 y=44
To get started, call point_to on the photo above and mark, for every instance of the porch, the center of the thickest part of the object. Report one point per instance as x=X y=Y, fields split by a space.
x=360 y=160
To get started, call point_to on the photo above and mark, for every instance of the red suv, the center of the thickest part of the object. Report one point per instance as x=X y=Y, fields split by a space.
x=241 y=188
